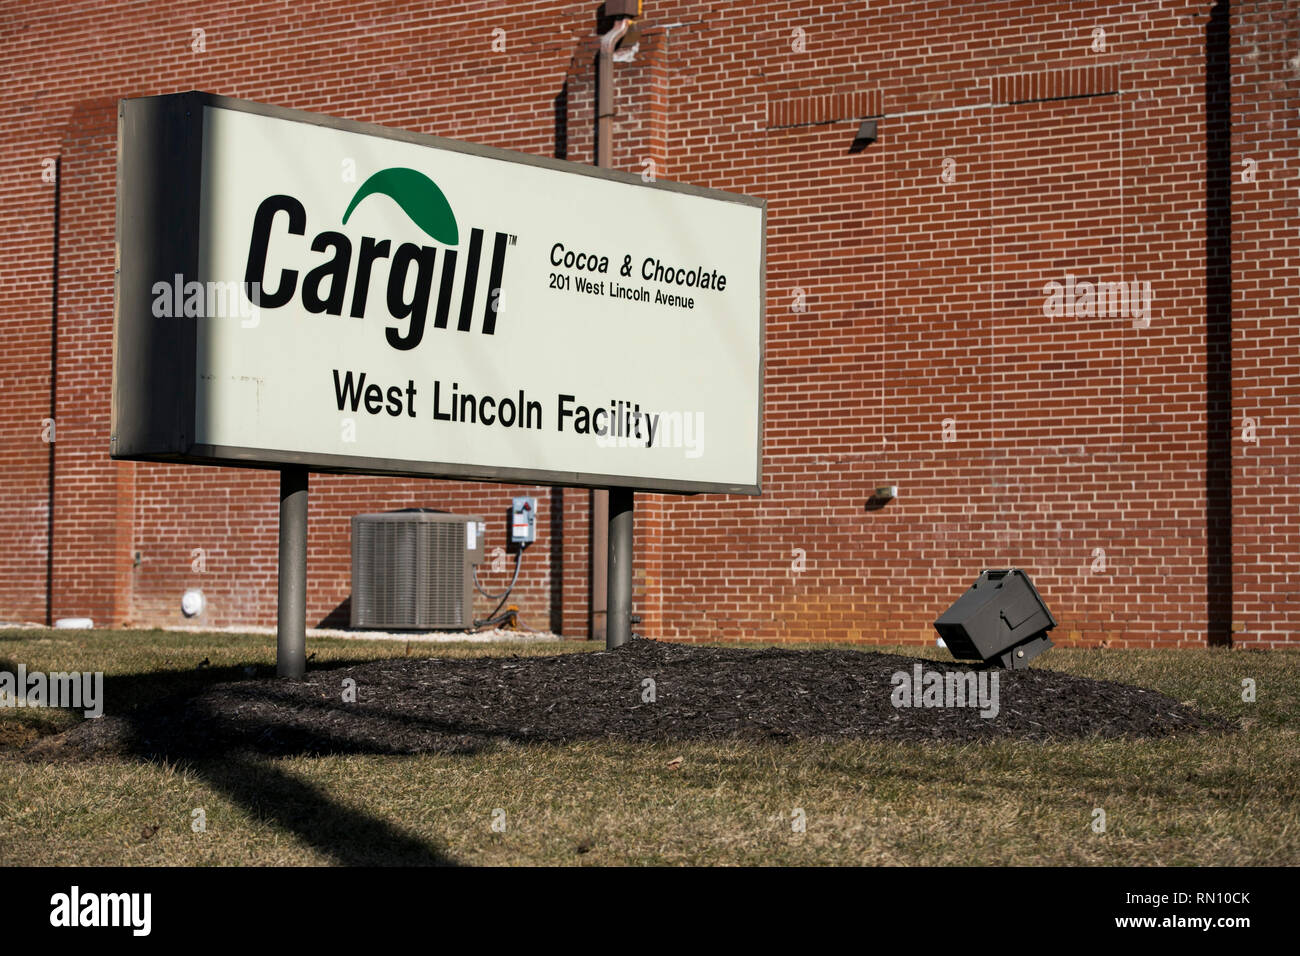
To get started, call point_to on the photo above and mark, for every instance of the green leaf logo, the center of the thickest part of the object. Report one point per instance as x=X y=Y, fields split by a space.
x=418 y=196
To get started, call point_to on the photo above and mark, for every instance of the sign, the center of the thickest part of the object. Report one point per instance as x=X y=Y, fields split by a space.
x=296 y=289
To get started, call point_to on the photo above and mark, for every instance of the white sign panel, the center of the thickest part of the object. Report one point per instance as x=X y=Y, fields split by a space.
x=410 y=305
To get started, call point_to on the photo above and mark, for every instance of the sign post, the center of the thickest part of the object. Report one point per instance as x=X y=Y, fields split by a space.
x=619 y=619
x=291 y=609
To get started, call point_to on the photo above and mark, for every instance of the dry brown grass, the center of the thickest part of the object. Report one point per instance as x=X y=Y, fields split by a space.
x=1206 y=800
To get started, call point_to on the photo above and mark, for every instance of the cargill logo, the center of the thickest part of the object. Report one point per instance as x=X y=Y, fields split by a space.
x=324 y=289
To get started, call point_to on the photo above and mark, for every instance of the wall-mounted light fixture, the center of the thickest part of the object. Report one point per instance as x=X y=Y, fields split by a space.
x=866 y=136
x=881 y=496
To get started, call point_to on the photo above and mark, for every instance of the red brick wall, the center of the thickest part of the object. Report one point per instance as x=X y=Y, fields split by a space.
x=907 y=341
x=1265 y=330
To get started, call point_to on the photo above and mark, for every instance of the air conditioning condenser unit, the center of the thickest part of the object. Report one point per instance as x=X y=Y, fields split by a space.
x=414 y=569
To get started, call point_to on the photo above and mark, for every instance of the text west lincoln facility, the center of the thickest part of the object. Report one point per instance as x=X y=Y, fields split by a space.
x=1032 y=266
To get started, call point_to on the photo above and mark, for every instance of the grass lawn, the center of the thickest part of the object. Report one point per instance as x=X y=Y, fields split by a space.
x=1205 y=800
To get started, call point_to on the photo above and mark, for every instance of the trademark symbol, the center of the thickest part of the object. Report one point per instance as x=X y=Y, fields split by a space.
x=512 y=240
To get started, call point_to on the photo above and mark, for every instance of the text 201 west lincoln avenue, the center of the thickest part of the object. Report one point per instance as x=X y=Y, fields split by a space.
x=652 y=270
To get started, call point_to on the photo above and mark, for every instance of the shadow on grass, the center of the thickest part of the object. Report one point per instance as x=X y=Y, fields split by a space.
x=236 y=767
x=348 y=836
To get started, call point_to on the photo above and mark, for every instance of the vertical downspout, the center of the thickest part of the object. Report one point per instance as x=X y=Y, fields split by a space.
x=54 y=396
x=605 y=93
x=1219 y=442
x=598 y=530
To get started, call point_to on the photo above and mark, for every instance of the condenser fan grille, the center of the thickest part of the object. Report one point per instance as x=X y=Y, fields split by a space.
x=412 y=571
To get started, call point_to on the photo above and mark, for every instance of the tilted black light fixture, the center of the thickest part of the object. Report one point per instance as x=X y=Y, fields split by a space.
x=1001 y=619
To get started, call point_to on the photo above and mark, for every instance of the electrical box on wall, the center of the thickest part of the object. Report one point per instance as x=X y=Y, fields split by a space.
x=523 y=520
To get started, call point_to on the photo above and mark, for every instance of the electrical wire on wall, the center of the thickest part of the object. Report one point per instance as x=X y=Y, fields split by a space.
x=495 y=619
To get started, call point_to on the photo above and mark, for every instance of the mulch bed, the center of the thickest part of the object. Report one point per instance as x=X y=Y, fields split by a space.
x=406 y=706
